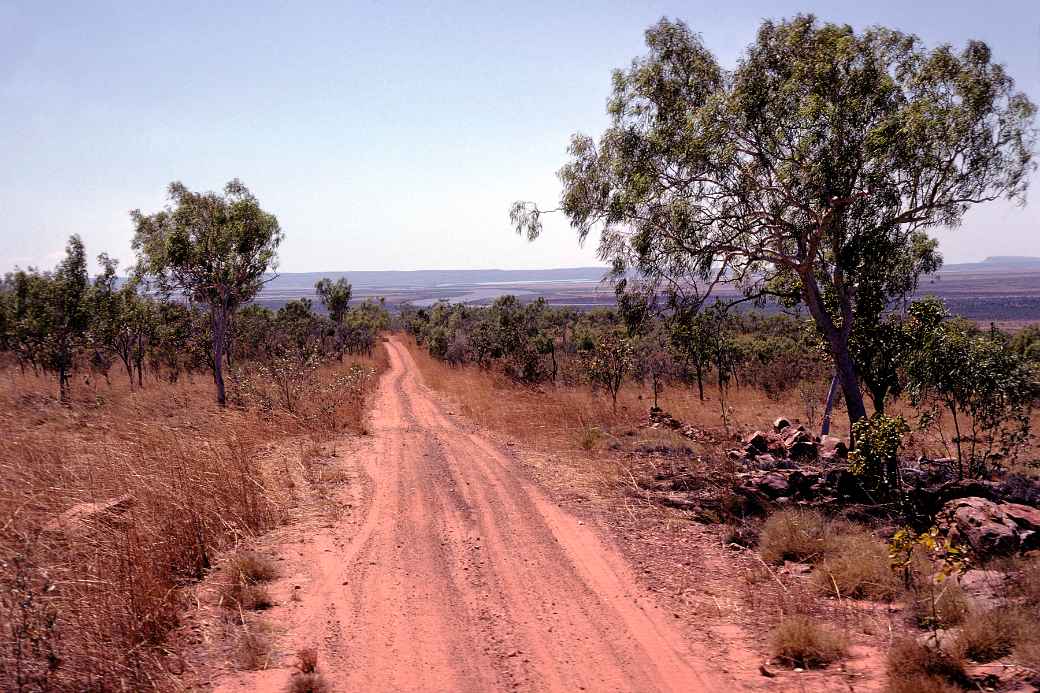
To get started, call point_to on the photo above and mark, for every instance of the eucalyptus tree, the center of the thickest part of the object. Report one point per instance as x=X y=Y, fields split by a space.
x=51 y=314
x=213 y=249
x=812 y=171
x=335 y=296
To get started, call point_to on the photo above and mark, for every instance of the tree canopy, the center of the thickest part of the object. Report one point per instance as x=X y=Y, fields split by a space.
x=212 y=248
x=811 y=172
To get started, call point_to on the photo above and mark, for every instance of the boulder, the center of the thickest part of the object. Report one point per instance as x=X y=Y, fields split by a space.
x=832 y=447
x=774 y=485
x=802 y=450
x=758 y=440
x=780 y=424
x=984 y=589
x=940 y=640
x=988 y=527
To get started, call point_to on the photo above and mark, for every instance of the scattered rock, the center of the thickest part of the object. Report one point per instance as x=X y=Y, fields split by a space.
x=83 y=517
x=774 y=485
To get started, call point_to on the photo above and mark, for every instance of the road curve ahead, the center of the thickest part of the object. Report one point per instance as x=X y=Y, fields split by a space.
x=463 y=576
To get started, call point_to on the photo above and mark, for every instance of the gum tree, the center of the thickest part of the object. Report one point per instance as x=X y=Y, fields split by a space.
x=213 y=250
x=335 y=296
x=812 y=171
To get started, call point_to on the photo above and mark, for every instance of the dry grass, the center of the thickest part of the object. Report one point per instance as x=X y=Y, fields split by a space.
x=800 y=641
x=856 y=566
x=307 y=679
x=992 y=634
x=574 y=418
x=802 y=536
x=85 y=604
x=307 y=660
x=252 y=568
x=308 y=683
x=939 y=605
x=253 y=650
x=914 y=668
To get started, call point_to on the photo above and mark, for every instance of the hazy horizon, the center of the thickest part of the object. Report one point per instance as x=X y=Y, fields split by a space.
x=389 y=137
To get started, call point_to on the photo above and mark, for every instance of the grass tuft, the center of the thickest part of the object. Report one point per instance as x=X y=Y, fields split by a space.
x=308 y=683
x=991 y=634
x=794 y=535
x=856 y=566
x=913 y=667
x=799 y=641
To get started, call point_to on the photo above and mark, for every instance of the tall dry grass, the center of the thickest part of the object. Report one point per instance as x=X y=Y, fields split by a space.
x=87 y=598
x=574 y=417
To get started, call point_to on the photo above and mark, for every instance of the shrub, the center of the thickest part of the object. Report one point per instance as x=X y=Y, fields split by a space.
x=991 y=635
x=308 y=683
x=253 y=568
x=857 y=566
x=800 y=641
x=794 y=535
x=913 y=668
x=254 y=650
x=875 y=458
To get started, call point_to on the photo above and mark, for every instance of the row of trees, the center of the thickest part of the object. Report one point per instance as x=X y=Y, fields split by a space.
x=185 y=305
x=985 y=383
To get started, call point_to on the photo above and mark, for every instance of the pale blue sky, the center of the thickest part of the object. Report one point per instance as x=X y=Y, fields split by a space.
x=383 y=135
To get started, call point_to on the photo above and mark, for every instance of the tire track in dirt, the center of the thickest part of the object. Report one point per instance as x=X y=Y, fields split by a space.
x=463 y=576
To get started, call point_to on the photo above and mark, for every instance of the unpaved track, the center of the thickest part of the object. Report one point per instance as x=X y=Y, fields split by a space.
x=463 y=576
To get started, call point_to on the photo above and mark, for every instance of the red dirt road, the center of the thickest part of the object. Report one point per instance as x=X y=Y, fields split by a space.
x=460 y=575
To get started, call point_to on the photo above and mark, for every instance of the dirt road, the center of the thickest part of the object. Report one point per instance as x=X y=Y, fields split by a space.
x=459 y=575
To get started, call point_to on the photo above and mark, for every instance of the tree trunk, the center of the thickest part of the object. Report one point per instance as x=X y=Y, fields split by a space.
x=63 y=383
x=219 y=334
x=825 y=427
x=838 y=341
x=846 y=372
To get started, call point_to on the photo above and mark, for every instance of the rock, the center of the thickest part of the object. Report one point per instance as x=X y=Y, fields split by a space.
x=774 y=485
x=941 y=639
x=1022 y=515
x=796 y=435
x=83 y=517
x=985 y=589
x=758 y=440
x=832 y=446
x=989 y=528
x=797 y=569
x=780 y=424
x=803 y=483
x=802 y=450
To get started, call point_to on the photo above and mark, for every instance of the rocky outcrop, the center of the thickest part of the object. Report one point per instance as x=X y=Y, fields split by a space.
x=990 y=528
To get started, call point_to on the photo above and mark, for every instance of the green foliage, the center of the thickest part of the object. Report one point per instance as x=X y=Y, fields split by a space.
x=335 y=296
x=608 y=362
x=907 y=545
x=876 y=456
x=212 y=249
x=987 y=389
x=810 y=172
x=49 y=314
